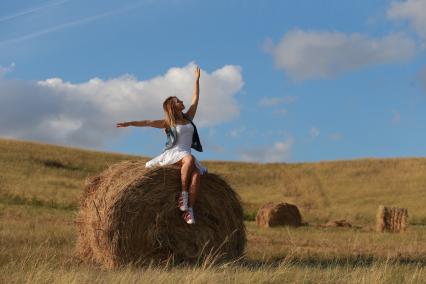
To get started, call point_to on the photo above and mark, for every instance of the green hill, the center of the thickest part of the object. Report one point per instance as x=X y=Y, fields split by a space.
x=40 y=186
x=52 y=176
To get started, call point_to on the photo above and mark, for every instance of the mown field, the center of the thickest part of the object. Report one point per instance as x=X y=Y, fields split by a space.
x=40 y=186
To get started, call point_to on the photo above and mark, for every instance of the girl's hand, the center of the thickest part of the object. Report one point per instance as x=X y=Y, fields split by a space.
x=123 y=124
x=197 y=72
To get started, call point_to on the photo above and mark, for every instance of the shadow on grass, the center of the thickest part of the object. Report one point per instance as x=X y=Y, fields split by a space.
x=55 y=164
x=316 y=262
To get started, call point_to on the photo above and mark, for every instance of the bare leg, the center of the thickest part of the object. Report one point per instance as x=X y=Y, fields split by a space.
x=186 y=170
x=195 y=185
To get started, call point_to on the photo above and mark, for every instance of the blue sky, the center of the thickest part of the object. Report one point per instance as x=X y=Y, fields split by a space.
x=282 y=81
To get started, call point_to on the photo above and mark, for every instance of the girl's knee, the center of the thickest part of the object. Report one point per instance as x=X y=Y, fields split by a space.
x=188 y=159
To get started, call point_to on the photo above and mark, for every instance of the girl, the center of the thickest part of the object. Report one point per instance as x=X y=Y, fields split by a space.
x=182 y=135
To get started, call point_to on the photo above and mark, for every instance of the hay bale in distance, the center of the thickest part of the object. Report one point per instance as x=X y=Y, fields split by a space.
x=391 y=219
x=281 y=214
x=128 y=214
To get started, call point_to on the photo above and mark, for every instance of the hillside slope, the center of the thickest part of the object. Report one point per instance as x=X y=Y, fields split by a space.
x=48 y=175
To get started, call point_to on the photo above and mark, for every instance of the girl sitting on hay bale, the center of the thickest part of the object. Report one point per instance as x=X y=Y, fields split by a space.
x=182 y=135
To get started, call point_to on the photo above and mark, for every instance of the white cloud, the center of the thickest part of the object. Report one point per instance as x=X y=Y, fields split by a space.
x=314 y=132
x=315 y=54
x=413 y=11
x=278 y=152
x=273 y=101
x=85 y=114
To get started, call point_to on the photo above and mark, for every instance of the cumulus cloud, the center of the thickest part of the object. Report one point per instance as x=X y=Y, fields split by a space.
x=317 y=54
x=85 y=114
x=278 y=152
x=413 y=11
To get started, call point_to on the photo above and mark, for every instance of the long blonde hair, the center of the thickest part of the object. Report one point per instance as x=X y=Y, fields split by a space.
x=170 y=111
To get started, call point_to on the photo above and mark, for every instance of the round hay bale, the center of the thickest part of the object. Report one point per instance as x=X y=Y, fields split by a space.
x=129 y=215
x=281 y=214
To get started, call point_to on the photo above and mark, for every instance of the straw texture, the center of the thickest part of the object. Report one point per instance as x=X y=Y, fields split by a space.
x=391 y=219
x=281 y=214
x=128 y=214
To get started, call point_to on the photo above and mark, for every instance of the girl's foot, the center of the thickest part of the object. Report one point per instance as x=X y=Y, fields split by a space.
x=183 y=201
x=188 y=216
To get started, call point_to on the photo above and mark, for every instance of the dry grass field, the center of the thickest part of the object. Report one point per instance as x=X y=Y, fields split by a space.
x=40 y=186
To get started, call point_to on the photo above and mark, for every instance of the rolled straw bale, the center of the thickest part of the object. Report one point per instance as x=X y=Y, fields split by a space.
x=129 y=214
x=281 y=214
x=391 y=219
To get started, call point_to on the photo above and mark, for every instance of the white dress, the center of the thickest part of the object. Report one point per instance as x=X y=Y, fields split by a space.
x=181 y=149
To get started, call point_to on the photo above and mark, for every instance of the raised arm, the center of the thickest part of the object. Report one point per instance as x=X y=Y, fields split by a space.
x=143 y=123
x=194 y=103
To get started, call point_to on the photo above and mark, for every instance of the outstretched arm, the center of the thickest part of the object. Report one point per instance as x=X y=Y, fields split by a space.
x=193 y=108
x=143 y=123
